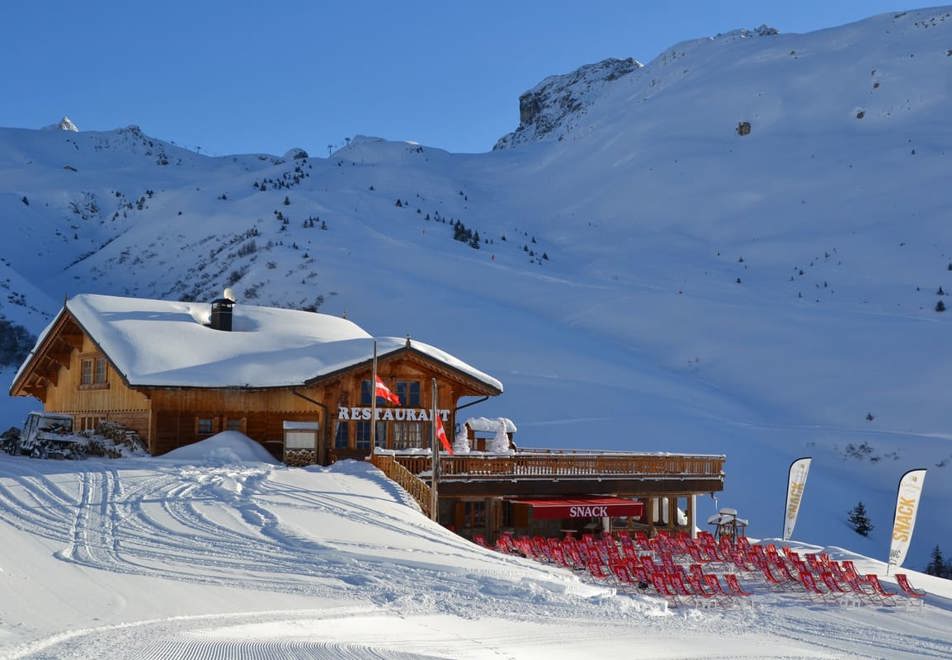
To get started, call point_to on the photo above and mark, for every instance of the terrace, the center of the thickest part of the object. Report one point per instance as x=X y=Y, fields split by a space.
x=556 y=472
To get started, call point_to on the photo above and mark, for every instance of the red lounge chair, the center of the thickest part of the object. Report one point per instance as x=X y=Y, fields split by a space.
x=715 y=585
x=734 y=585
x=621 y=573
x=878 y=587
x=597 y=571
x=658 y=582
x=903 y=581
x=831 y=583
x=479 y=539
x=676 y=584
x=785 y=572
x=850 y=569
x=770 y=577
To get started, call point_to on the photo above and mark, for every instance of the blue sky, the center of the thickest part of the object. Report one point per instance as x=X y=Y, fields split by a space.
x=244 y=76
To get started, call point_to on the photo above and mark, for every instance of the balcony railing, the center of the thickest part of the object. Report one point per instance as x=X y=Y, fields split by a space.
x=561 y=464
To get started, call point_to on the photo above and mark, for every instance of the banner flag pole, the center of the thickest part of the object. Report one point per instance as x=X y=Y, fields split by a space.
x=435 y=461
x=373 y=403
x=904 y=519
x=796 y=482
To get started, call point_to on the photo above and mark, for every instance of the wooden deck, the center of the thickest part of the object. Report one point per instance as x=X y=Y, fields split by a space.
x=548 y=464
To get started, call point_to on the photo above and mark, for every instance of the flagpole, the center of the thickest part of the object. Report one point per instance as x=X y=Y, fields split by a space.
x=435 y=462
x=373 y=404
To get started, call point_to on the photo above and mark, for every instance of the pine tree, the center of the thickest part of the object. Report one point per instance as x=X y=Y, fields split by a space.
x=287 y=201
x=859 y=520
x=937 y=565
x=940 y=306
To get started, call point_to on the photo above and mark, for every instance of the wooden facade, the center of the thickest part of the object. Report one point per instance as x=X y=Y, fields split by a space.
x=69 y=373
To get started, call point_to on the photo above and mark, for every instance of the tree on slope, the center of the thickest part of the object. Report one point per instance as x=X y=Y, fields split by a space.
x=859 y=520
x=937 y=565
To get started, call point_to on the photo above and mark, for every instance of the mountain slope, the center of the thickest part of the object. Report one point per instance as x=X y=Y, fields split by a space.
x=653 y=280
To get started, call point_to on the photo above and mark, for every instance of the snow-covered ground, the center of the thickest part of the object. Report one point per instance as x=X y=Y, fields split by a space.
x=199 y=556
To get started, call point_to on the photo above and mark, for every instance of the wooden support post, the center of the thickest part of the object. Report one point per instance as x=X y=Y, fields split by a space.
x=672 y=512
x=692 y=515
x=434 y=457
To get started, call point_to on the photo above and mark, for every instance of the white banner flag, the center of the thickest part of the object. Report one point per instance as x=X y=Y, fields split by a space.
x=796 y=482
x=907 y=506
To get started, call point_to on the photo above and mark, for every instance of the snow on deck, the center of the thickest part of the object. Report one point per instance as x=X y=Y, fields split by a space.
x=166 y=343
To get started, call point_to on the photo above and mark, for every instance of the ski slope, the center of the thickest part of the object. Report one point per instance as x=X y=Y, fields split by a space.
x=765 y=296
x=207 y=557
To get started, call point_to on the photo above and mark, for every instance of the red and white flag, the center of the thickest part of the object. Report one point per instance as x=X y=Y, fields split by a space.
x=384 y=392
x=441 y=435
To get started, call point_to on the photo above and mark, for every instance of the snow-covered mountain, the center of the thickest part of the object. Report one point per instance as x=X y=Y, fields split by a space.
x=737 y=248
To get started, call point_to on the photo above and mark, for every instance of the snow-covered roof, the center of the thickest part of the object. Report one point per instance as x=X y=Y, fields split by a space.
x=166 y=343
x=490 y=424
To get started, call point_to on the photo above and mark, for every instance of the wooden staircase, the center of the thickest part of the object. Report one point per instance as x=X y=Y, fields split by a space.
x=411 y=483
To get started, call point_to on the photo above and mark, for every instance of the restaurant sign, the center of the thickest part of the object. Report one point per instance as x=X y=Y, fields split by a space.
x=359 y=413
x=589 y=507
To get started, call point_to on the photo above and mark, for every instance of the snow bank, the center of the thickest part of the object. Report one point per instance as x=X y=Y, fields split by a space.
x=222 y=448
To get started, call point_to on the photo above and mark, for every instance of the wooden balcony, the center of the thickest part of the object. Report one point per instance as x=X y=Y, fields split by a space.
x=568 y=472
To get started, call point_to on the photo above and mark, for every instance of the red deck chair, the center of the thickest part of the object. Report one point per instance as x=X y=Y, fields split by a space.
x=715 y=585
x=661 y=586
x=812 y=588
x=639 y=573
x=831 y=583
x=597 y=571
x=479 y=539
x=676 y=584
x=731 y=580
x=770 y=577
x=903 y=581
x=785 y=572
x=850 y=569
x=878 y=589
x=857 y=589
x=621 y=573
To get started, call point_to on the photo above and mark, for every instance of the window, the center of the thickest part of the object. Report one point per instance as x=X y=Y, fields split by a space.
x=362 y=437
x=365 y=395
x=409 y=392
x=381 y=437
x=93 y=372
x=235 y=424
x=99 y=377
x=205 y=426
x=342 y=436
x=474 y=514
x=411 y=435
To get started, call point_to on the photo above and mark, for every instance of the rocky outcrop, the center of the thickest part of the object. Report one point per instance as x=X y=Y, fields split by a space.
x=550 y=109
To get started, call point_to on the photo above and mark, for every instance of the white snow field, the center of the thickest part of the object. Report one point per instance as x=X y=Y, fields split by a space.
x=202 y=557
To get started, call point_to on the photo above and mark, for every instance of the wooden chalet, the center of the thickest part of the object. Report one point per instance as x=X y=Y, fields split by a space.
x=299 y=383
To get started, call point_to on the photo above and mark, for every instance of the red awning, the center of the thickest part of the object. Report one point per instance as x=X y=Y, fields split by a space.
x=584 y=507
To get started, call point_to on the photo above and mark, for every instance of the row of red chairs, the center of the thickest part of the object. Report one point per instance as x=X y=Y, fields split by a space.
x=621 y=563
x=633 y=562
